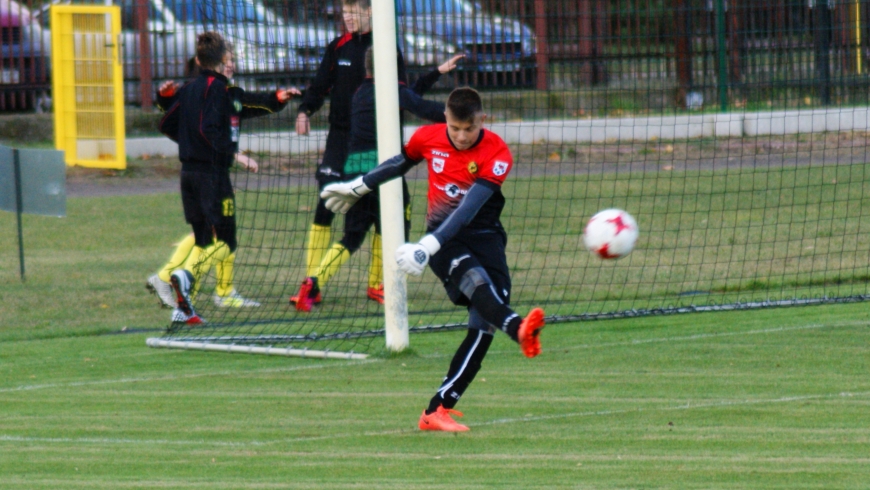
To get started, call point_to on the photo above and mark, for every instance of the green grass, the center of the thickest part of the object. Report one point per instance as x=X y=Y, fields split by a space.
x=756 y=400
x=768 y=399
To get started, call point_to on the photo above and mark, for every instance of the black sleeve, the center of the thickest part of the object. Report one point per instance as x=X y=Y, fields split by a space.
x=388 y=170
x=477 y=195
x=169 y=123
x=315 y=94
x=403 y=73
x=256 y=104
x=163 y=102
x=420 y=107
x=424 y=83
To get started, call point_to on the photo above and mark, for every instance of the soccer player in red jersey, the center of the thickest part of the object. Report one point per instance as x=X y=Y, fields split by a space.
x=465 y=241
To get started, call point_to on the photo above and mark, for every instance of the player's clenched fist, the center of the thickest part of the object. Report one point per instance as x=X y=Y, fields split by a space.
x=413 y=257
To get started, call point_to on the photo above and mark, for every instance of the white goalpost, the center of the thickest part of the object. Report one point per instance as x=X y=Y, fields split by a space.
x=389 y=145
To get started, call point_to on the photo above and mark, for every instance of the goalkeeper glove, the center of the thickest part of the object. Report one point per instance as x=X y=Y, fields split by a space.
x=413 y=257
x=341 y=196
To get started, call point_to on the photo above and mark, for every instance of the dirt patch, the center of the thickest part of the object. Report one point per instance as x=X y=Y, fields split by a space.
x=150 y=175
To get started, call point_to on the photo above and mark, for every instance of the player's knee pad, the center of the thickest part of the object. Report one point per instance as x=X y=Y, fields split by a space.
x=472 y=279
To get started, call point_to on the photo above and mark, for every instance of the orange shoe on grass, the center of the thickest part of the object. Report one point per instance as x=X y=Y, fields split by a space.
x=530 y=328
x=307 y=295
x=376 y=294
x=317 y=299
x=441 y=420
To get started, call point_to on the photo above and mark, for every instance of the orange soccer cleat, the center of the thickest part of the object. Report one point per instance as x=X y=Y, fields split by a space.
x=441 y=420
x=530 y=328
x=317 y=299
x=376 y=294
x=308 y=294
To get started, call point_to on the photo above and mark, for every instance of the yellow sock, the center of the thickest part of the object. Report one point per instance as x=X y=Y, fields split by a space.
x=318 y=241
x=376 y=268
x=224 y=272
x=200 y=263
x=332 y=261
x=179 y=256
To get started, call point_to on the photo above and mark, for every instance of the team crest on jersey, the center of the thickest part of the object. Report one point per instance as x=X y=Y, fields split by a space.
x=438 y=165
x=472 y=167
x=500 y=168
x=237 y=105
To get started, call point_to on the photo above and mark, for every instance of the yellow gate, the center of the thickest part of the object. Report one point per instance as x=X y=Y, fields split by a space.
x=87 y=85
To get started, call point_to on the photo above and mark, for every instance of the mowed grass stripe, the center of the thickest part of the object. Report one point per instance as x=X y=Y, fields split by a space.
x=518 y=420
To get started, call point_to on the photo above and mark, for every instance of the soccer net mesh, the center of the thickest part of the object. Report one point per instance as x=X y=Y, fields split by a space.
x=735 y=134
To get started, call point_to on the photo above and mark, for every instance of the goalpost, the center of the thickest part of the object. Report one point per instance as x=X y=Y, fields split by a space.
x=750 y=190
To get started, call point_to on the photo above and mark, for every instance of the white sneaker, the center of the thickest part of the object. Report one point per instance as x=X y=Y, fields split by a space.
x=163 y=290
x=234 y=300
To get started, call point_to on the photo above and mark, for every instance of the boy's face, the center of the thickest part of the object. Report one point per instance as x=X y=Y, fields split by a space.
x=228 y=67
x=464 y=134
x=356 y=19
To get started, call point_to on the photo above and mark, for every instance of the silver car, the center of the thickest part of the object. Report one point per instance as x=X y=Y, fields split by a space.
x=430 y=31
x=269 y=51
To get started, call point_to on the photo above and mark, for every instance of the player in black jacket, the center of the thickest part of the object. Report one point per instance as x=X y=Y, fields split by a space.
x=205 y=120
x=363 y=156
x=225 y=292
x=341 y=72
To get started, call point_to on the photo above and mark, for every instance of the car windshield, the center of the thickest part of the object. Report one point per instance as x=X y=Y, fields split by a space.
x=222 y=12
x=410 y=7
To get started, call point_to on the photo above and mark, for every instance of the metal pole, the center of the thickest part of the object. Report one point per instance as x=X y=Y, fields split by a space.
x=19 y=208
x=858 y=66
x=723 y=58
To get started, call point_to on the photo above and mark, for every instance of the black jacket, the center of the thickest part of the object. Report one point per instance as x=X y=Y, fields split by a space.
x=341 y=72
x=363 y=131
x=204 y=117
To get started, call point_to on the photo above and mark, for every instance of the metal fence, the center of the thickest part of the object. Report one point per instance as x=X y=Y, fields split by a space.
x=637 y=55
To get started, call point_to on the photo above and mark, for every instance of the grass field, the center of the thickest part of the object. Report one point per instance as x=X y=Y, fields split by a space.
x=768 y=399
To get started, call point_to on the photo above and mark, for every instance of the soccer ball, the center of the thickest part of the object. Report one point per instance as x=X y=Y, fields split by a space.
x=611 y=234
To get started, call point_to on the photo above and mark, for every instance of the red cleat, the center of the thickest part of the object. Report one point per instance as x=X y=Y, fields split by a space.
x=376 y=294
x=441 y=420
x=317 y=299
x=308 y=293
x=530 y=328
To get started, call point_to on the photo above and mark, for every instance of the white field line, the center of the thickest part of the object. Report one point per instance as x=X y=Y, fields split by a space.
x=145 y=379
x=503 y=421
x=331 y=364
x=683 y=338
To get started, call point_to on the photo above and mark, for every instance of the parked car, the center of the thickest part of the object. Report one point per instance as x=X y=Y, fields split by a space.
x=497 y=49
x=24 y=67
x=269 y=51
x=264 y=43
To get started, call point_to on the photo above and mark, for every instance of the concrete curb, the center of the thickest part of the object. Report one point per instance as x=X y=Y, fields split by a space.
x=581 y=130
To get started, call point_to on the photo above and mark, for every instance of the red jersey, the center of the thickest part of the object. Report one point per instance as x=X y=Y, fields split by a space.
x=452 y=172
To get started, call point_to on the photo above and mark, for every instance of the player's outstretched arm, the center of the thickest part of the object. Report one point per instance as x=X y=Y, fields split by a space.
x=341 y=196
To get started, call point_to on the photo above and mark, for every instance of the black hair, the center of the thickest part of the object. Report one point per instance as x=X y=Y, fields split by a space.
x=211 y=49
x=464 y=104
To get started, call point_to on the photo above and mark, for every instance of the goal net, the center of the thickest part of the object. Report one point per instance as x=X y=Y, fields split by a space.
x=736 y=135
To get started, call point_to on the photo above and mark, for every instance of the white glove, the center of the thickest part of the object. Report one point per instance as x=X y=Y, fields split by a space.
x=341 y=196
x=413 y=257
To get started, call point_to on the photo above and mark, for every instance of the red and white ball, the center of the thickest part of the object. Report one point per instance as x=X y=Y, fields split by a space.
x=611 y=234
